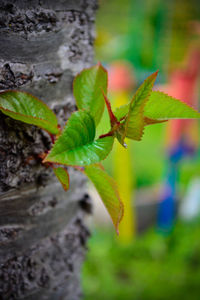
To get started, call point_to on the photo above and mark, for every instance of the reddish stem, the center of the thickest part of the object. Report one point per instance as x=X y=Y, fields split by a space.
x=107 y=134
x=113 y=119
x=52 y=137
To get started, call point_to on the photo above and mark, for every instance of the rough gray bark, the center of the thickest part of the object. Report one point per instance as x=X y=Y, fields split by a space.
x=43 y=44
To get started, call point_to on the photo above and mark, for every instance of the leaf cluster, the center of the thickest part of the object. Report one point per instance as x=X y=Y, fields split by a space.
x=75 y=145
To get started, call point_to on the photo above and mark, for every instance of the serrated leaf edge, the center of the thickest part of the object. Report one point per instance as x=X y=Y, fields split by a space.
x=174 y=98
x=153 y=75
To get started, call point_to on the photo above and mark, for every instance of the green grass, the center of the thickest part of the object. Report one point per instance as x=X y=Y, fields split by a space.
x=151 y=268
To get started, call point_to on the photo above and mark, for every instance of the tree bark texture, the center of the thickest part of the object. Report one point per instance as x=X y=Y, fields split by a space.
x=43 y=45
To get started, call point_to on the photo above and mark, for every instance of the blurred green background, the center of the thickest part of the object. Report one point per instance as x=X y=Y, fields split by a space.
x=149 y=35
x=151 y=268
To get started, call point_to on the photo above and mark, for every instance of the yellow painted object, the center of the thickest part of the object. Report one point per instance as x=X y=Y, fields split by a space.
x=124 y=177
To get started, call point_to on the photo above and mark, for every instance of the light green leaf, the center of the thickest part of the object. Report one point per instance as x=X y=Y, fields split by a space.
x=62 y=176
x=134 y=121
x=163 y=107
x=107 y=189
x=88 y=87
x=121 y=111
x=76 y=145
x=28 y=109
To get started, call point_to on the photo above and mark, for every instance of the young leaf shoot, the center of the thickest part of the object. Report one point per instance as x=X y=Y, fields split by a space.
x=76 y=145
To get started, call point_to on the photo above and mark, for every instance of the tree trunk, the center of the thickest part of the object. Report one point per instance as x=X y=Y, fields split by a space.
x=43 y=44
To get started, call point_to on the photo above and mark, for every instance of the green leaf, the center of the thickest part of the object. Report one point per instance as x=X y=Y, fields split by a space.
x=88 y=87
x=121 y=111
x=134 y=121
x=76 y=145
x=163 y=107
x=107 y=189
x=28 y=109
x=62 y=176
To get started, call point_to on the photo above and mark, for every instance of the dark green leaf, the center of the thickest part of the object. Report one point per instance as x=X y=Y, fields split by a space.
x=76 y=145
x=88 y=87
x=28 y=109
